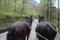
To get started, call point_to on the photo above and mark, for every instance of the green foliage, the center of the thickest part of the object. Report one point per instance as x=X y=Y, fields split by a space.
x=11 y=10
x=49 y=11
x=8 y=16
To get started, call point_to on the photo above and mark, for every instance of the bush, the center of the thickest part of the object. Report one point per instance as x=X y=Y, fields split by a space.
x=9 y=16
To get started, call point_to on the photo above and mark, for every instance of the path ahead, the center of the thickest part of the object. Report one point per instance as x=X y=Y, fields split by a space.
x=32 y=34
x=3 y=36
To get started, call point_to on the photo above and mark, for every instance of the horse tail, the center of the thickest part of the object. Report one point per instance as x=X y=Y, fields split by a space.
x=11 y=34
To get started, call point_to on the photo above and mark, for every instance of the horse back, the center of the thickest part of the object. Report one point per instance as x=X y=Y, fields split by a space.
x=45 y=30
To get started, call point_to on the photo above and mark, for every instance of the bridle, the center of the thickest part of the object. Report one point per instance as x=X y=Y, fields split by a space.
x=41 y=36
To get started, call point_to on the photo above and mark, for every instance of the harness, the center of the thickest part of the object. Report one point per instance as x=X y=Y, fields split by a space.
x=42 y=35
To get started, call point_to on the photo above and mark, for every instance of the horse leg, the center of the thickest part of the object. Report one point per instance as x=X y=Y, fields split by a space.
x=28 y=35
x=11 y=34
x=28 y=32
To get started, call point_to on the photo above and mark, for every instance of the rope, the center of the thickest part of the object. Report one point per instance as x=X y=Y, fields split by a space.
x=52 y=27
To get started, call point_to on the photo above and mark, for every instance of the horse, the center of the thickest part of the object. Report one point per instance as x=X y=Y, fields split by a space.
x=19 y=30
x=29 y=18
x=45 y=30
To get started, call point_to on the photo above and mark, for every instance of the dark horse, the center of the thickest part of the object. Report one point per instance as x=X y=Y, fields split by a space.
x=20 y=29
x=45 y=30
x=29 y=19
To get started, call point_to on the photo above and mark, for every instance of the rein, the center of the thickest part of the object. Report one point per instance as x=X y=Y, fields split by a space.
x=41 y=36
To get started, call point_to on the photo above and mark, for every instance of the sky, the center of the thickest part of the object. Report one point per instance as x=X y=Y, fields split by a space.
x=38 y=1
x=55 y=4
x=35 y=2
